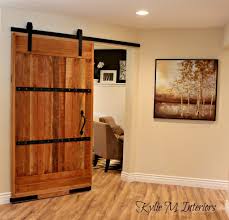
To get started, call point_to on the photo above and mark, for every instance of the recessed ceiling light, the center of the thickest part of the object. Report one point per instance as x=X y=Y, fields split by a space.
x=142 y=12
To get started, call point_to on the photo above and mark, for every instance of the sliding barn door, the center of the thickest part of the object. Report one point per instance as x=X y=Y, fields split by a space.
x=52 y=89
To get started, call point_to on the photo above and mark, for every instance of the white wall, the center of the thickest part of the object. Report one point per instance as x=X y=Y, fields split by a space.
x=181 y=147
x=109 y=100
x=43 y=21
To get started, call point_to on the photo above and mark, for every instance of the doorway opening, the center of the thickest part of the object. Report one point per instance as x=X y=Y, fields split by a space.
x=110 y=76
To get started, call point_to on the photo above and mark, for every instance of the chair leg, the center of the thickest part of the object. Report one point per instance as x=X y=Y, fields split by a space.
x=121 y=163
x=95 y=160
x=107 y=165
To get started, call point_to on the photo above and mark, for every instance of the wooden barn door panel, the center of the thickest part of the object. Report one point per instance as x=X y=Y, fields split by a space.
x=51 y=115
x=57 y=119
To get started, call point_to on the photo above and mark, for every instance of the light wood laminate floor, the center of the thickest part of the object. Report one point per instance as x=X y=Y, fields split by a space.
x=114 y=199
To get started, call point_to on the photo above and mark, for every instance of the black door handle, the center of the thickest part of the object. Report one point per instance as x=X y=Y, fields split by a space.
x=84 y=121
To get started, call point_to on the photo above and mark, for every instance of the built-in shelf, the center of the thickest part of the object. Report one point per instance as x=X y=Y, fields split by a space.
x=110 y=85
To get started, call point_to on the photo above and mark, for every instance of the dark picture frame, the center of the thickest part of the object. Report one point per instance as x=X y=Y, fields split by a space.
x=186 y=89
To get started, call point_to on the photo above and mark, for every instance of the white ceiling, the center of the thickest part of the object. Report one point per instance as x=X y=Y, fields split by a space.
x=163 y=13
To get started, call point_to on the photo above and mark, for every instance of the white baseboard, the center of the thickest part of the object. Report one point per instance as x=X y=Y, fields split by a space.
x=5 y=198
x=175 y=180
x=159 y=179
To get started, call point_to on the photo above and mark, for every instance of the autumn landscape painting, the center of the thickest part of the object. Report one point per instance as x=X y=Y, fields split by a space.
x=186 y=89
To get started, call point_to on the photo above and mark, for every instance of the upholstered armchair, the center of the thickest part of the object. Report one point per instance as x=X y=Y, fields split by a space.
x=107 y=143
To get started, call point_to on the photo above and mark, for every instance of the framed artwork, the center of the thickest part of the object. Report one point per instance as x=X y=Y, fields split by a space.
x=108 y=76
x=186 y=89
x=122 y=74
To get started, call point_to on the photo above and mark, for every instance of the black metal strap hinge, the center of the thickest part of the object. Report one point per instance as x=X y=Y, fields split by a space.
x=41 y=89
x=29 y=28
x=79 y=36
x=50 y=141
x=71 y=191
x=23 y=199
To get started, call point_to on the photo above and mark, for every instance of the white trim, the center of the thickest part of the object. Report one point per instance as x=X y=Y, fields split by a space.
x=5 y=198
x=110 y=85
x=175 y=180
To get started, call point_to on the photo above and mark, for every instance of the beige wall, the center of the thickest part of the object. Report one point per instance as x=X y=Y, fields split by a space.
x=226 y=36
x=166 y=147
x=180 y=147
x=43 y=21
x=4 y=118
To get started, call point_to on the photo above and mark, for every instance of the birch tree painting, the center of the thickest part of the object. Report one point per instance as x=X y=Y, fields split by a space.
x=186 y=89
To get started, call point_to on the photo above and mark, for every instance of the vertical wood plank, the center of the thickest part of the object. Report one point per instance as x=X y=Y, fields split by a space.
x=75 y=117
x=13 y=118
x=81 y=84
x=89 y=112
x=47 y=64
x=58 y=113
x=22 y=69
x=38 y=111
x=33 y=129
x=68 y=113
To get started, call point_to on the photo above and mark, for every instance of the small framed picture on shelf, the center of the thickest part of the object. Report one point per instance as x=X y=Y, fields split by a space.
x=108 y=76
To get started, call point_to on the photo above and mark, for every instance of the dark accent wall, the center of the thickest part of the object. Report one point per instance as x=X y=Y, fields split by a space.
x=111 y=59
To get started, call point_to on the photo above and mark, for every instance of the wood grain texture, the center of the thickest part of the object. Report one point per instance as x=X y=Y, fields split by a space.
x=113 y=199
x=53 y=63
x=13 y=120
x=53 y=46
